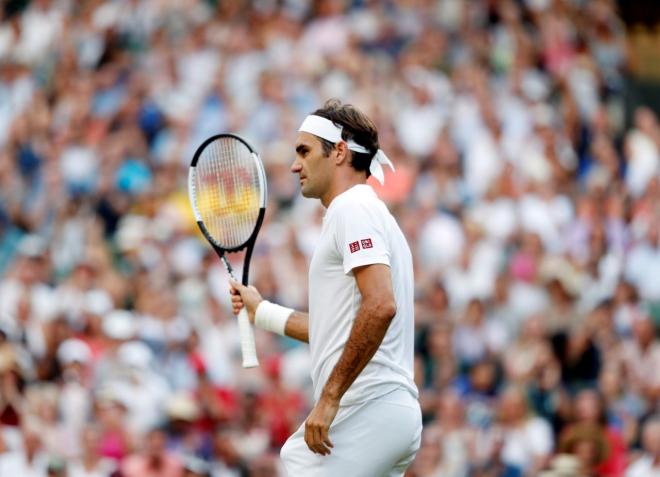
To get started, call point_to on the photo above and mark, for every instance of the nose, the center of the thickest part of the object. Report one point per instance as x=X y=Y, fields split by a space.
x=296 y=167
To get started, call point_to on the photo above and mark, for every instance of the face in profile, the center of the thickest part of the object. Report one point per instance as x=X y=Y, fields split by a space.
x=312 y=166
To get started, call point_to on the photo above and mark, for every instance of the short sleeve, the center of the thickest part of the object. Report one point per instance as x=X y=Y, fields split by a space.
x=361 y=237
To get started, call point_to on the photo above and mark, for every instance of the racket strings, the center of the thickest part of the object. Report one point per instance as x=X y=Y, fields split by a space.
x=228 y=192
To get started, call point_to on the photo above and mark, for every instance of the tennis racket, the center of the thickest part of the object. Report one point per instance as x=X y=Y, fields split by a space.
x=227 y=191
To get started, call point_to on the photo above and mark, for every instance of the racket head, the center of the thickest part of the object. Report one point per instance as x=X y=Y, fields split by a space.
x=227 y=191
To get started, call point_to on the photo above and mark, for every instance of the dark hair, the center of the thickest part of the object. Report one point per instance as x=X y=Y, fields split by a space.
x=356 y=126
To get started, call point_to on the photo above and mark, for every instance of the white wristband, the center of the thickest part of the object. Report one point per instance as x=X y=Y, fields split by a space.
x=272 y=317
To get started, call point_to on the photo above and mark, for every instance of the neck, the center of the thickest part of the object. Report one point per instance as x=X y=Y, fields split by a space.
x=340 y=185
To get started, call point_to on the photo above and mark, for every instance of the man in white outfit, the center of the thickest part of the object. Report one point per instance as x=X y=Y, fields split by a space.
x=366 y=420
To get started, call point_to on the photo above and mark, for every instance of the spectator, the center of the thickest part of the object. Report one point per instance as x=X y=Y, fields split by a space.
x=154 y=459
x=90 y=463
x=527 y=440
x=607 y=450
x=452 y=434
x=647 y=464
x=29 y=460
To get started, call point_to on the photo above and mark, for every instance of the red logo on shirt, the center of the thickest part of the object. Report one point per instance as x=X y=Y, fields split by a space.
x=354 y=246
x=366 y=243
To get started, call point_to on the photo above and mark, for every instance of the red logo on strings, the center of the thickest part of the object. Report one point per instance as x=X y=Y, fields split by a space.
x=366 y=243
x=354 y=246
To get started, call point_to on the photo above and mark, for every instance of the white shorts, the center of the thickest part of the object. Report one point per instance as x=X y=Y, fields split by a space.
x=377 y=438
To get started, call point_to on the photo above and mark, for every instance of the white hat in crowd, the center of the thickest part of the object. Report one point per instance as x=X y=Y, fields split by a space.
x=119 y=325
x=135 y=354
x=74 y=350
x=97 y=302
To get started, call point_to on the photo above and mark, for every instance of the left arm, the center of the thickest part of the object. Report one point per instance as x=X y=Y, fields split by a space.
x=373 y=318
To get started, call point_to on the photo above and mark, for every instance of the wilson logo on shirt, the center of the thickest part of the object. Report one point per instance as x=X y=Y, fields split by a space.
x=366 y=243
x=354 y=246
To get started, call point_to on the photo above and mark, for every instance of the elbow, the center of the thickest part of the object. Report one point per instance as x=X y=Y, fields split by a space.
x=387 y=310
x=381 y=309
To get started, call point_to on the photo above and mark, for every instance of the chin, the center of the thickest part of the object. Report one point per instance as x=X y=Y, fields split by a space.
x=307 y=193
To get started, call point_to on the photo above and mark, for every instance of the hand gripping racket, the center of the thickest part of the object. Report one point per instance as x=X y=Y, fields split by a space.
x=227 y=191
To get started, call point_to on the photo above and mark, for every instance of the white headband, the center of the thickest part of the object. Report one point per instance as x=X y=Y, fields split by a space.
x=326 y=129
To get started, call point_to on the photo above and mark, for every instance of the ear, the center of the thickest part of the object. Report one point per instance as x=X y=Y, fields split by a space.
x=342 y=152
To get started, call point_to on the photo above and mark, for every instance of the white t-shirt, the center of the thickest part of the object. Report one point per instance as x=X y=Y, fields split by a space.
x=103 y=468
x=643 y=467
x=359 y=230
x=527 y=442
x=16 y=463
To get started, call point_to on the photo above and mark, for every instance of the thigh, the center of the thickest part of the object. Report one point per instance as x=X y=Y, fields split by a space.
x=370 y=440
x=394 y=434
x=402 y=465
x=298 y=459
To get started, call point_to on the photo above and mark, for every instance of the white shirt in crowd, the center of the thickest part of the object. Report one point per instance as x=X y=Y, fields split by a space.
x=103 y=468
x=16 y=463
x=358 y=230
x=527 y=442
x=643 y=467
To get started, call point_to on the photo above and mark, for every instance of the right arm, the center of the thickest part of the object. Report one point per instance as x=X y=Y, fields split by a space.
x=297 y=325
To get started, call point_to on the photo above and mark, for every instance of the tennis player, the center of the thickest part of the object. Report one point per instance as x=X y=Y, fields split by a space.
x=366 y=420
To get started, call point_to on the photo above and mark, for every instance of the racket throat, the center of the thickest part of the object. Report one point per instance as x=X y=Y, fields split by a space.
x=230 y=270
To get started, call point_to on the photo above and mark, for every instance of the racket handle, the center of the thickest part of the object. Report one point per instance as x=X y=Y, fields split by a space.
x=248 y=347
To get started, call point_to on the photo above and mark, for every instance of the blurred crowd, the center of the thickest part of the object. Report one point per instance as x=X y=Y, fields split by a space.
x=529 y=196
